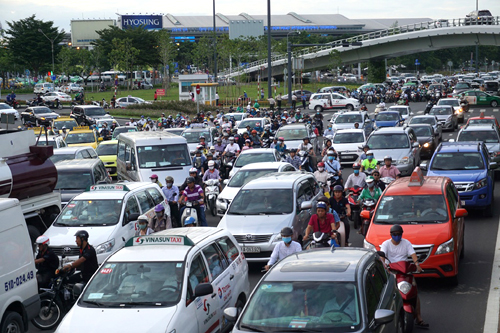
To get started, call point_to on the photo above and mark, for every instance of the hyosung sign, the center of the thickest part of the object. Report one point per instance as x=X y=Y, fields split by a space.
x=147 y=21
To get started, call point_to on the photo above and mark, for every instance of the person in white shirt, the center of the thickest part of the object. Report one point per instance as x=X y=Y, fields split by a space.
x=232 y=147
x=285 y=248
x=399 y=249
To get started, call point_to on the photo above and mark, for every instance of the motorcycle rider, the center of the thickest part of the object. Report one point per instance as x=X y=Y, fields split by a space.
x=171 y=192
x=318 y=120
x=322 y=176
x=193 y=172
x=371 y=192
x=329 y=131
x=378 y=183
x=46 y=262
x=356 y=178
x=285 y=248
x=362 y=157
x=398 y=249
x=198 y=161
x=305 y=145
x=256 y=143
x=464 y=103
x=160 y=221
x=331 y=163
x=281 y=146
x=322 y=221
x=340 y=204
x=194 y=193
x=293 y=159
x=370 y=163
x=389 y=170
x=212 y=173
x=143 y=228
x=87 y=260
x=232 y=147
x=154 y=180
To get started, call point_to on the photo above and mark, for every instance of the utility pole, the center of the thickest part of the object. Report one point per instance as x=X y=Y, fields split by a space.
x=269 y=67
x=215 y=49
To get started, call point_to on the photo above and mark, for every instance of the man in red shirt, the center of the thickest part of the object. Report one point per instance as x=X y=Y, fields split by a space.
x=322 y=221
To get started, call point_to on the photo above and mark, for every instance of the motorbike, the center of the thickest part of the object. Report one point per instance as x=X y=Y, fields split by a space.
x=333 y=179
x=366 y=215
x=211 y=194
x=318 y=240
x=190 y=211
x=325 y=189
x=465 y=106
x=55 y=302
x=53 y=104
x=428 y=107
x=387 y=180
x=304 y=161
x=227 y=164
x=352 y=198
x=13 y=103
x=379 y=108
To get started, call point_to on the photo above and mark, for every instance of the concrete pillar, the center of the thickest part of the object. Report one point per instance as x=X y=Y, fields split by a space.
x=359 y=71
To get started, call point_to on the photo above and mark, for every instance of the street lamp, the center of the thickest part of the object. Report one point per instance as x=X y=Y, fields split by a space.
x=52 y=45
x=269 y=64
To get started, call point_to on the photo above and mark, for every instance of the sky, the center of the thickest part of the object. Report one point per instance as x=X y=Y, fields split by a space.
x=62 y=11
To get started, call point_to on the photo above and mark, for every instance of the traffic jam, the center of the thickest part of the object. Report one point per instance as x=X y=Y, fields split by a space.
x=323 y=219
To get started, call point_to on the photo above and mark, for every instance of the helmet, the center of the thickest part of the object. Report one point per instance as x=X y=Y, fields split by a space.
x=189 y=180
x=306 y=138
x=369 y=179
x=169 y=179
x=254 y=132
x=286 y=231
x=43 y=240
x=154 y=176
x=323 y=199
x=366 y=146
x=202 y=137
x=219 y=140
x=293 y=150
x=338 y=188
x=82 y=234
x=356 y=166
x=321 y=204
x=211 y=163
x=321 y=165
x=142 y=218
x=159 y=208
x=193 y=170
x=396 y=228
x=369 y=152
x=198 y=151
x=210 y=155
x=231 y=138
x=248 y=140
x=330 y=152
x=189 y=220
x=387 y=158
x=281 y=138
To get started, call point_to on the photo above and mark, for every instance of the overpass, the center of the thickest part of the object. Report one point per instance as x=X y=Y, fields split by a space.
x=384 y=44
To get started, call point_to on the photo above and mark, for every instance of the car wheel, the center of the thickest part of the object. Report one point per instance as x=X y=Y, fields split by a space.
x=401 y=324
x=462 y=253
x=13 y=322
x=318 y=108
x=349 y=107
x=494 y=104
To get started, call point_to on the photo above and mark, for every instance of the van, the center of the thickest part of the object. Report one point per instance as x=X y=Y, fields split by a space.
x=492 y=87
x=42 y=88
x=19 y=300
x=142 y=154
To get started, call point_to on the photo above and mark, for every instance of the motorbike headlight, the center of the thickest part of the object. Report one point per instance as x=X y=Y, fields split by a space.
x=427 y=145
x=404 y=287
x=448 y=119
x=105 y=247
x=404 y=160
x=446 y=247
x=480 y=184
x=369 y=246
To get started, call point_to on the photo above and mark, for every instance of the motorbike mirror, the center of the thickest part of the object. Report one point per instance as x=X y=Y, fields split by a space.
x=77 y=289
x=383 y=316
x=381 y=253
x=225 y=181
x=231 y=314
x=461 y=212
x=416 y=145
x=493 y=165
x=423 y=166
x=365 y=214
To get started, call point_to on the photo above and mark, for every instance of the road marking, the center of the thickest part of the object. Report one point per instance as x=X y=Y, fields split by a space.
x=493 y=305
x=482 y=110
x=495 y=110
x=471 y=110
x=450 y=134
x=420 y=112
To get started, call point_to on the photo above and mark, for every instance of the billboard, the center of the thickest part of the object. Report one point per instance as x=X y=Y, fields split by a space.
x=149 y=22
x=83 y=32
x=245 y=28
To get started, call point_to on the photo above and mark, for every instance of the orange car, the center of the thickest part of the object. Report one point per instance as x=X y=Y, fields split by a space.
x=428 y=209
x=482 y=120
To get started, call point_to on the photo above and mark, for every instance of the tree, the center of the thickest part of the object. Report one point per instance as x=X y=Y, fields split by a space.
x=335 y=60
x=30 y=46
x=123 y=55
x=167 y=50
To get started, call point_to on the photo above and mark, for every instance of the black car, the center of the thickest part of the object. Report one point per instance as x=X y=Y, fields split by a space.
x=87 y=115
x=427 y=138
x=38 y=115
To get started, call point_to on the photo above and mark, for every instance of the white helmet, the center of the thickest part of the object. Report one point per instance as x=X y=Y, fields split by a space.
x=193 y=170
x=43 y=240
x=369 y=152
x=211 y=163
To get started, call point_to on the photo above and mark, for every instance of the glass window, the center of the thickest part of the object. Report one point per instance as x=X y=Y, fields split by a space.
x=292 y=134
x=262 y=201
x=121 y=150
x=98 y=176
x=436 y=111
x=245 y=159
x=457 y=161
x=108 y=149
x=90 y=213
x=60 y=157
x=372 y=298
x=92 y=153
x=381 y=270
x=486 y=136
x=131 y=208
x=155 y=195
x=348 y=138
x=423 y=131
x=242 y=177
x=75 y=138
x=85 y=154
x=162 y=156
x=228 y=248
x=127 y=152
x=377 y=279
x=145 y=201
x=406 y=209
x=452 y=198
x=198 y=273
x=388 y=141
x=70 y=180
x=194 y=136
x=216 y=263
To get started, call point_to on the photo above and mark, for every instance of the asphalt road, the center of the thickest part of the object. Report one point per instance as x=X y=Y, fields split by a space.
x=445 y=308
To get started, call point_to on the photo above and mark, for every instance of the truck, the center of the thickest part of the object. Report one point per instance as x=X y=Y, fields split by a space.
x=27 y=174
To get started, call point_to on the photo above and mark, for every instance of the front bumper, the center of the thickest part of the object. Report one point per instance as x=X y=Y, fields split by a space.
x=348 y=157
x=440 y=266
x=447 y=126
x=264 y=254
x=476 y=198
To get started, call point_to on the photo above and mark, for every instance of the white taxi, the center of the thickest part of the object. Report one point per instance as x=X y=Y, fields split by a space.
x=332 y=101
x=174 y=281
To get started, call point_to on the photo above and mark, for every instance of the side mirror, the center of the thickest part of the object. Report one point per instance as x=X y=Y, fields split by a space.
x=100 y=139
x=461 y=212
x=231 y=314
x=423 y=166
x=365 y=214
x=381 y=253
x=493 y=165
x=383 y=316
x=77 y=289
x=225 y=181
x=367 y=120
x=203 y=289
x=306 y=205
x=133 y=217
x=412 y=114
x=128 y=165
x=451 y=140
x=416 y=145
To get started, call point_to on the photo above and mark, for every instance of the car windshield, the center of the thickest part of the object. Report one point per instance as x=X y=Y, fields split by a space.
x=388 y=141
x=452 y=102
x=348 y=119
x=290 y=134
x=41 y=110
x=440 y=111
x=462 y=86
x=387 y=117
x=348 y=138
x=245 y=159
x=163 y=156
x=135 y=284
x=71 y=180
x=423 y=120
x=43 y=142
x=74 y=138
x=97 y=111
x=194 y=136
x=117 y=131
x=457 y=161
x=402 y=111
x=107 y=149
x=485 y=136
x=412 y=209
x=281 y=307
x=481 y=121
x=237 y=116
x=242 y=177
x=5 y=106
x=422 y=131
x=60 y=157
x=175 y=131
x=100 y=212
x=262 y=202
x=249 y=122
x=69 y=124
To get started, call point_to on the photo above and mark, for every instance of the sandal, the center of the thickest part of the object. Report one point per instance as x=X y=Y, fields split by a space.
x=422 y=324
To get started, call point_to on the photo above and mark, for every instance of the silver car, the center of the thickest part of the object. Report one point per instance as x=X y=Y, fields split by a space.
x=431 y=120
x=266 y=205
x=295 y=133
x=254 y=156
x=489 y=134
x=404 y=111
x=346 y=120
x=446 y=116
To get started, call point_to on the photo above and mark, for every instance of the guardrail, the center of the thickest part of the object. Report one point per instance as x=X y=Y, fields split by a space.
x=437 y=24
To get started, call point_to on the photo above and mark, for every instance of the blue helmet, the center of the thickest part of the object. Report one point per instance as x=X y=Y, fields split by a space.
x=189 y=220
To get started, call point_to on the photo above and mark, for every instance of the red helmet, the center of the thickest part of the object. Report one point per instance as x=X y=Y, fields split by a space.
x=321 y=165
x=254 y=132
x=356 y=166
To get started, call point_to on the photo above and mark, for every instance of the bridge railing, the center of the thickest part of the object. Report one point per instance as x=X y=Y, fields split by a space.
x=437 y=24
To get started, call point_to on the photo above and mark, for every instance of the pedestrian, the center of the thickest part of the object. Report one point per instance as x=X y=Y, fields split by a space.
x=272 y=102
x=278 y=100
x=262 y=93
x=294 y=101
x=303 y=98
x=156 y=95
x=216 y=99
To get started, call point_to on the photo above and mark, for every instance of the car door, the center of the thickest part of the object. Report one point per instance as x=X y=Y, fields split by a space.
x=304 y=193
x=471 y=97
x=201 y=310
x=145 y=202
x=129 y=225
x=452 y=197
x=482 y=98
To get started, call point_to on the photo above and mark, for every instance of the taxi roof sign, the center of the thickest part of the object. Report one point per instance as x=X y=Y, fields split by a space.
x=481 y=115
x=81 y=128
x=108 y=187
x=416 y=178
x=159 y=240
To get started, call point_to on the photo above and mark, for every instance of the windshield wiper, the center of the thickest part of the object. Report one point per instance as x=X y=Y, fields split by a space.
x=98 y=304
x=252 y=328
x=298 y=329
x=142 y=303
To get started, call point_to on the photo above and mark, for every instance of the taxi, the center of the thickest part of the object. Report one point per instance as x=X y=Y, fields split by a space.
x=83 y=136
x=429 y=210
x=176 y=280
x=68 y=122
x=478 y=97
x=107 y=151
x=482 y=120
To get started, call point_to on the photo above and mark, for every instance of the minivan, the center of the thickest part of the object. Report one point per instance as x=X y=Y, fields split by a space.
x=142 y=154
x=42 y=88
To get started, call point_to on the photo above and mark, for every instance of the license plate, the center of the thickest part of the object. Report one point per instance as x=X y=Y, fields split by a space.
x=462 y=202
x=347 y=156
x=250 y=249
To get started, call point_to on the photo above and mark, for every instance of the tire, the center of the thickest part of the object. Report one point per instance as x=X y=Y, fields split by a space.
x=12 y=323
x=349 y=107
x=494 y=104
x=213 y=207
x=453 y=281
x=239 y=306
x=318 y=108
x=462 y=253
x=408 y=322
x=401 y=324
x=53 y=318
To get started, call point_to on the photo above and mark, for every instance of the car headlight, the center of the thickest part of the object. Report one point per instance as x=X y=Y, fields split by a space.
x=446 y=247
x=427 y=145
x=42 y=118
x=480 y=184
x=105 y=247
x=222 y=204
x=460 y=110
x=404 y=287
x=369 y=246
x=404 y=160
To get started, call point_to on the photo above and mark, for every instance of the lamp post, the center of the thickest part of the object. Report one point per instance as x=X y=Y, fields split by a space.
x=215 y=49
x=289 y=67
x=269 y=67
x=52 y=45
x=477 y=46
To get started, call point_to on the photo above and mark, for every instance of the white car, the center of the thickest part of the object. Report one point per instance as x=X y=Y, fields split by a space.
x=332 y=101
x=123 y=102
x=252 y=122
x=347 y=143
x=238 y=116
x=243 y=176
x=254 y=156
x=7 y=109
x=51 y=97
x=404 y=111
x=71 y=88
x=455 y=103
x=142 y=289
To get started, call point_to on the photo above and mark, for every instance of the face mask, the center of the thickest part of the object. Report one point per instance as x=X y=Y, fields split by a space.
x=280 y=142
x=287 y=240
x=159 y=215
x=169 y=185
x=370 y=157
x=211 y=167
x=153 y=180
x=142 y=226
x=321 y=169
x=370 y=184
x=397 y=239
x=356 y=172
x=330 y=158
x=329 y=128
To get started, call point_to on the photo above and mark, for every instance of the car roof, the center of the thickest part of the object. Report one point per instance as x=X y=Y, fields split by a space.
x=390 y=130
x=420 y=125
x=294 y=126
x=350 y=112
x=77 y=164
x=431 y=185
x=476 y=128
x=69 y=150
x=150 y=253
x=198 y=129
x=257 y=151
x=109 y=142
x=113 y=194
x=341 y=264
x=349 y=130
x=462 y=146
x=146 y=137
x=264 y=165
x=276 y=180
x=388 y=111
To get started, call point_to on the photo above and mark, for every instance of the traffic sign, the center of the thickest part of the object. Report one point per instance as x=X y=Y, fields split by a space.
x=450 y=63
x=416 y=62
x=160 y=92
x=198 y=89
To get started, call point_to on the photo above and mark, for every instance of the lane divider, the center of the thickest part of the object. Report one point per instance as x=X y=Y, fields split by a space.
x=493 y=305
